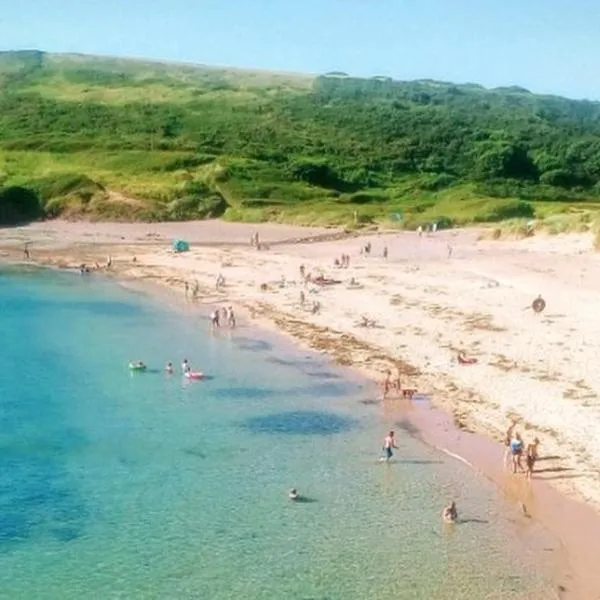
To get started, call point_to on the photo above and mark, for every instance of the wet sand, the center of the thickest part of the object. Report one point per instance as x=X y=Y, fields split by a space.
x=537 y=369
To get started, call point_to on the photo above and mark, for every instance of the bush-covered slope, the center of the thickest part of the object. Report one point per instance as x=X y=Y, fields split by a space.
x=111 y=138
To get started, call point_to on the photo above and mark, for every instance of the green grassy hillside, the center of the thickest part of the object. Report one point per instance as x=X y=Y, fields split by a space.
x=109 y=138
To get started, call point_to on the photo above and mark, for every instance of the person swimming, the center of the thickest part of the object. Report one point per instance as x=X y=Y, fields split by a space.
x=293 y=494
x=185 y=366
x=169 y=368
x=450 y=514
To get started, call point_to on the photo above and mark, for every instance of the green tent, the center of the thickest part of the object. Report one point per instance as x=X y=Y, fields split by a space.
x=180 y=246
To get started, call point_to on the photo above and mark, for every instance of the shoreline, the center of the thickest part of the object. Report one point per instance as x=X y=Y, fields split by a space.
x=465 y=433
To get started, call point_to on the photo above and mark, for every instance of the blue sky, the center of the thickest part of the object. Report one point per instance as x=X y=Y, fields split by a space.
x=544 y=45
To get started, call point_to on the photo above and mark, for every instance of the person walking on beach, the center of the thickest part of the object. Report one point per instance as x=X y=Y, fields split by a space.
x=516 y=448
x=507 y=439
x=186 y=287
x=387 y=384
x=385 y=252
x=214 y=318
x=389 y=443
x=230 y=317
x=531 y=455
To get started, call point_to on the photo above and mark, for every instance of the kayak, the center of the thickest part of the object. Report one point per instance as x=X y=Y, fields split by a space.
x=194 y=375
x=136 y=367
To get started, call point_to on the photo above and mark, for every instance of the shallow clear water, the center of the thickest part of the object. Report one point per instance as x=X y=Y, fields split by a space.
x=121 y=485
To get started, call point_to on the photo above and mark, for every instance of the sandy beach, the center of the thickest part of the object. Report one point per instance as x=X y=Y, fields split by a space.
x=431 y=297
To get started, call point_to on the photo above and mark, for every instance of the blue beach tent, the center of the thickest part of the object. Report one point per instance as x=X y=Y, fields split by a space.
x=180 y=246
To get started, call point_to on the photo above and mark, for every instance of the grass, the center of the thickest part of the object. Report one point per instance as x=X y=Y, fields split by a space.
x=102 y=137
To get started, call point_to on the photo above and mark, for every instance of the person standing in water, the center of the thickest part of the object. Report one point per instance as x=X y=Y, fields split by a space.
x=185 y=366
x=389 y=443
x=231 y=317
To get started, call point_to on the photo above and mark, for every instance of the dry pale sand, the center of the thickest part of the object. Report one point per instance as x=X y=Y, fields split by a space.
x=541 y=370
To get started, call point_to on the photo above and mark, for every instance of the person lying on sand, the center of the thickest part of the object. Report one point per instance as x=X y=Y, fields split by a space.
x=531 y=455
x=366 y=322
x=450 y=514
x=463 y=359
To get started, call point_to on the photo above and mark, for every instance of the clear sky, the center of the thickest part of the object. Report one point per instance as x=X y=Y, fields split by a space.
x=544 y=45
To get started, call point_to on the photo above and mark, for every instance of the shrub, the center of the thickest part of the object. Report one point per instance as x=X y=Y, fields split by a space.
x=501 y=210
x=19 y=205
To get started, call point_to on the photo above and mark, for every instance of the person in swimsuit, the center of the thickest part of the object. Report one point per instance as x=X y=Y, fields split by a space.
x=293 y=494
x=516 y=449
x=387 y=384
x=531 y=455
x=231 y=317
x=450 y=514
x=214 y=318
x=169 y=368
x=185 y=366
x=507 y=438
x=388 y=443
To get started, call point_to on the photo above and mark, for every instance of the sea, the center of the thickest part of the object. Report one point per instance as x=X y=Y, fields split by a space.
x=119 y=484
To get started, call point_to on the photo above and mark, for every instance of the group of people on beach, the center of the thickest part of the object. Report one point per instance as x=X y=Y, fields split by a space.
x=516 y=449
x=223 y=316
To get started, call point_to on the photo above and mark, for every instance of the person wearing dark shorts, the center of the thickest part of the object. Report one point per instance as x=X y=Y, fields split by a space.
x=388 y=444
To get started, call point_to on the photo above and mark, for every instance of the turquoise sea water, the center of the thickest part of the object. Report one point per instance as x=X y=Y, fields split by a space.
x=121 y=485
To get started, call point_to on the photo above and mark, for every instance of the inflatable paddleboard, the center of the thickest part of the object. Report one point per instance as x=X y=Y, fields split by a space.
x=194 y=375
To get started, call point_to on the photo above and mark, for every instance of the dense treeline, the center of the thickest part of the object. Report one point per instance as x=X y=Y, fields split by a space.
x=337 y=136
